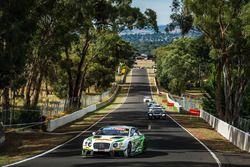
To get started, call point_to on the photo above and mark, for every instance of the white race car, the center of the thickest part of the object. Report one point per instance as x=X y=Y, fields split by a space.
x=115 y=140
x=147 y=99
x=155 y=106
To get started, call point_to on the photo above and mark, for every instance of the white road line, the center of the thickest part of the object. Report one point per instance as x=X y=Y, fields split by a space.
x=210 y=151
x=86 y=130
x=149 y=127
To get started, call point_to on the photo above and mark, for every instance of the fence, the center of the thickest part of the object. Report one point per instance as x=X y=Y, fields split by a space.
x=50 y=109
x=2 y=136
x=56 y=123
x=243 y=124
x=187 y=103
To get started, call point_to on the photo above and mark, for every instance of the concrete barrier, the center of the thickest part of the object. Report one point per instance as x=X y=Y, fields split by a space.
x=56 y=123
x=111 y=99
x=238 y=137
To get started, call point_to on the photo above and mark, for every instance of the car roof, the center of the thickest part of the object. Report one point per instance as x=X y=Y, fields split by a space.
x=154 y=109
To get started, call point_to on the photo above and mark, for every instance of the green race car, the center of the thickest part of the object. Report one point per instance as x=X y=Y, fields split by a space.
x=115 y=140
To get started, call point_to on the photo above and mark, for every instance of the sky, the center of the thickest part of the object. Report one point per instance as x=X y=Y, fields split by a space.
x=161 y=7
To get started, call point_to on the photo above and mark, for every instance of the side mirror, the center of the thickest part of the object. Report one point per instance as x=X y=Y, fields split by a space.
x=135 y=134
x=93 y=133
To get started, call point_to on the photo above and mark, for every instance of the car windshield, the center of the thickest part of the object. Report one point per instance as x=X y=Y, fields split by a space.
x=157 y=111
x=113 y=131
x=156 y=106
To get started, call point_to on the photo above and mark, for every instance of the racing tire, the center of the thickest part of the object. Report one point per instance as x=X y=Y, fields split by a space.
x=84 y=154
x=112 y=154
x=127 y=152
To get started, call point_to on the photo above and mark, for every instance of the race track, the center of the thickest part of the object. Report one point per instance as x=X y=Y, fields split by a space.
x=168 y=144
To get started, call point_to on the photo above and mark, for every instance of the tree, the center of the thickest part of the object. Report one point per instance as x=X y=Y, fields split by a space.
x=178 y=64
x=93 y=18
x=16 y=27
x=181 y=17
x=224 y=25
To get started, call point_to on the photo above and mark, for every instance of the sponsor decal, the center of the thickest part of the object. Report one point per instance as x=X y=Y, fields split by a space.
x=103 y=139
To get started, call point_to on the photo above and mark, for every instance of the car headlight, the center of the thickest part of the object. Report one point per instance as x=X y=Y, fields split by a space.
x=150 y=114
x=85 y=143
x=90 y=144
x=163 y=114
x=115 y=145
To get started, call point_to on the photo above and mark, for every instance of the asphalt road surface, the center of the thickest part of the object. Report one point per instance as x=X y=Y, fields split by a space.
x=168 y=144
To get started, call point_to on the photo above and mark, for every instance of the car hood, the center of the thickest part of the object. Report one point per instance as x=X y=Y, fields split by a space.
x=108 y=139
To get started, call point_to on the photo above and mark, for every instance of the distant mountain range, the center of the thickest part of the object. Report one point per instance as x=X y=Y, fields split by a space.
x=149 y=35
x=143 y=31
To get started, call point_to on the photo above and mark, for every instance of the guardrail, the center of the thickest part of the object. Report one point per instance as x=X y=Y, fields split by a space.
x=56 y=123
x=238 y=137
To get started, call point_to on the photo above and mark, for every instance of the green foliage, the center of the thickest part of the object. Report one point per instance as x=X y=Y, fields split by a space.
x=178 y=64
x=226 y=27
x=180 y=17
x=15 y=32
x=245 y=110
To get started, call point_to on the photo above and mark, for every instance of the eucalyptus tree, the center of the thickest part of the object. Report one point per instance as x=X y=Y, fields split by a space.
x=91 y=18
x=181 y=17
x=43 y=49
x=225 y=26
x=16 y=27
x=178 y=63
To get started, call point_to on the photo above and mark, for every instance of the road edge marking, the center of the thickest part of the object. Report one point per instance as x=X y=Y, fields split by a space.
x=209 y=150
x=73 y=138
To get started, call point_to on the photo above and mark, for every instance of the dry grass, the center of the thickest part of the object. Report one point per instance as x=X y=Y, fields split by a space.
x=22 y=145
x=200 y=129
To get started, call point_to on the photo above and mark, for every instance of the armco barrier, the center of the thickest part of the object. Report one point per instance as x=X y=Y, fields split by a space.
x=56 y=123
x=238 y=137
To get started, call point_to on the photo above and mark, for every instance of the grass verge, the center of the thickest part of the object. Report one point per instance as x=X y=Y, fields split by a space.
x=21 y=145
x=204 y=132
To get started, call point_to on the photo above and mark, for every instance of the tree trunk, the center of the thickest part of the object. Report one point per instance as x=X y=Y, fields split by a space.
x=27 y=92
x=68 y=69
x=29 y=85
x=6 y=106
x=218 y=91
x=22 y=91
x=74 y=97
x=37 y=89
x=80 y=65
